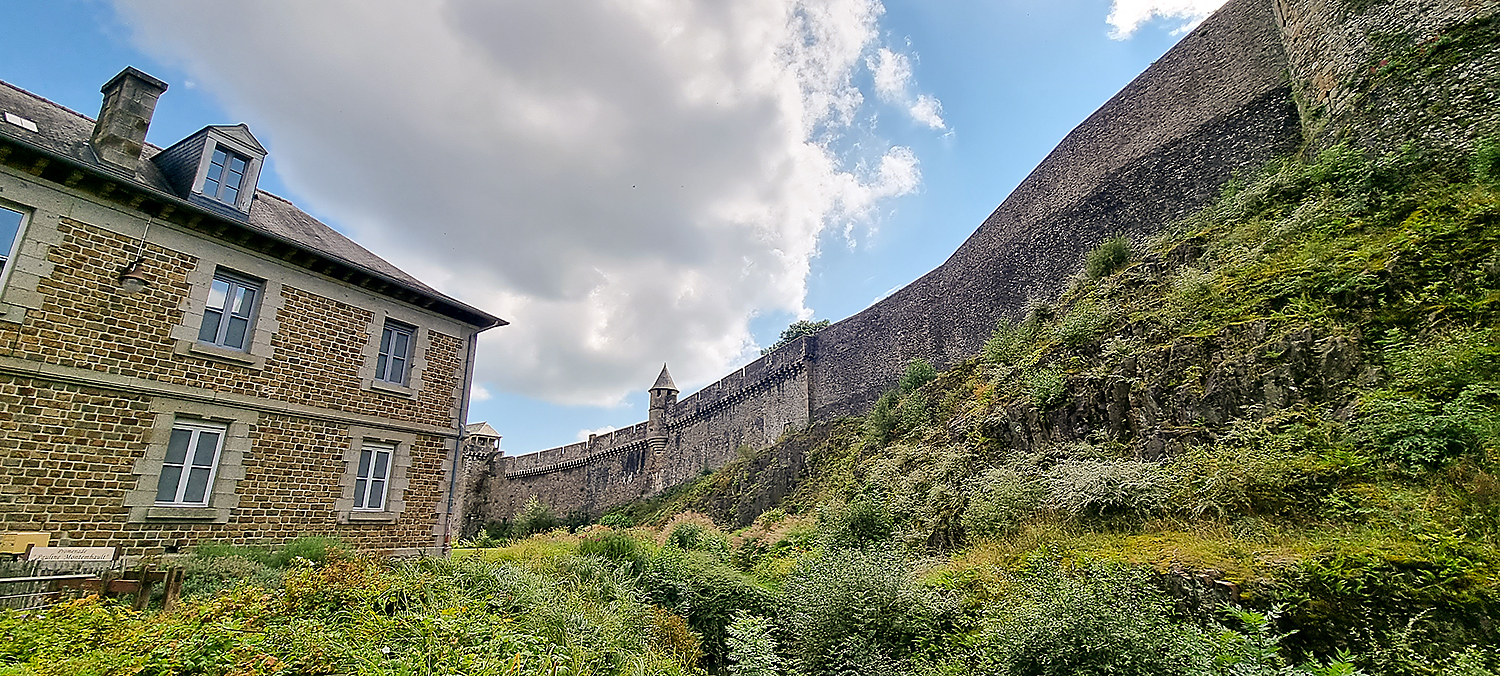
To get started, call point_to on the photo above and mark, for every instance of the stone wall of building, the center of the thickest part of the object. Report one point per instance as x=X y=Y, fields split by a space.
x=71 y=452
x=317 y=350
x=89 y=376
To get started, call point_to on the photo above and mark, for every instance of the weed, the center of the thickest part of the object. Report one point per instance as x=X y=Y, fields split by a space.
x=1111 y=255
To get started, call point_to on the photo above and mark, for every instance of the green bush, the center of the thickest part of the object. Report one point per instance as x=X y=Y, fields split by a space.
x=617 y=546
x=706 y=592
x=998 y=501
x=617 y=520
x=534 y=518
x=1047 y=387
x=918 y=373
x=1111 y=255
x=1010 y=343
x=1103 y=620
x=1085 y=321
x=797 y=329
x=752 y=648
x=1102 y=488
x=857 y=523
x=1486 y=161
x=316 y=549
x=858 y=612
x=206 y=576
x=883 y=418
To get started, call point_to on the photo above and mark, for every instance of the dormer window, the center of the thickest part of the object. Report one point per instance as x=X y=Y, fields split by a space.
x=215 y=168
x=226 y=173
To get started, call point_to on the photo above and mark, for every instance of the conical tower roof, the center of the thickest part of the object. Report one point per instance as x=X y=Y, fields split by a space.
x=664 y=381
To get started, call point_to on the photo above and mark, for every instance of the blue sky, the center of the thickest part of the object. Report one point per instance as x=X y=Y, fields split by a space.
x=629 y=183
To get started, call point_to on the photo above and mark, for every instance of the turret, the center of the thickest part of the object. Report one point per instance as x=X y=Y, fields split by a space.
x=663 y=398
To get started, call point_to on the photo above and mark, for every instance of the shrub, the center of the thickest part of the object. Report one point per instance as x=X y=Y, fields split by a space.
x=316 y=549
x=918 y=373
x=1486 y=161
x=535 y=517
x=616 y=546
x=796 y=330
x=205 y=576
x=857 y=612
x=1083 y=323
x=1426 y=433
x=1105 y=488
x=617 y=520
x=752 y=648
x=998 y=501
x=1010 y=343
x=1101 y=620
x=1192 y=295
x=882 y=419
x=1111 y=255
x=705 y=591
x=1047 y=387
x=860 y=522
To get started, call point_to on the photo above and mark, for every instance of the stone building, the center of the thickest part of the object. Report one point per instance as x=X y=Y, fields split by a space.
x=185 y=358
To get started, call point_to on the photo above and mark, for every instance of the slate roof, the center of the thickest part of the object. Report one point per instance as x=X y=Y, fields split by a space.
x=481 y=429
x=664 y=381
x=64 y=132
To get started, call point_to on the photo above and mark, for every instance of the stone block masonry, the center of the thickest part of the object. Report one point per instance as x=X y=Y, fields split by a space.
x=1259 y=80
x=92 y=380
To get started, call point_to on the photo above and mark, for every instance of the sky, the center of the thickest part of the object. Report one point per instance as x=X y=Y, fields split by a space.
x=629 y=183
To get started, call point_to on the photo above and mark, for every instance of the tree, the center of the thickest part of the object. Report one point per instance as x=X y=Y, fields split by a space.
x=798 y=329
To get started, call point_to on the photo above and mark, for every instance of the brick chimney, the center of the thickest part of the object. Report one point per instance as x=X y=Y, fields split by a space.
x=129 y=101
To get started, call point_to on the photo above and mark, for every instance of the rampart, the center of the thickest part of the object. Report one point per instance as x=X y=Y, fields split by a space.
x=1239 y=91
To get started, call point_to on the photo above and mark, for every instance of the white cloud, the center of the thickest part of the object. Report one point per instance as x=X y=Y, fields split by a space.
x=891 y=74
x=1125 y=16
x=928 y=111
x=479 y=393
x=626 y=182
x=583 y=435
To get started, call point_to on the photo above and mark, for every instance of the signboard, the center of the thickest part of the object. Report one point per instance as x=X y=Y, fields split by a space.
x=78 y=554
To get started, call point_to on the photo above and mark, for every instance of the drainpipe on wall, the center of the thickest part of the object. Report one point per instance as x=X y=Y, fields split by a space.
x=458 y=449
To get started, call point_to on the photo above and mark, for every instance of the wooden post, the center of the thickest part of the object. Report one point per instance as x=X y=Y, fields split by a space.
x=143 y=594
x=174 y=588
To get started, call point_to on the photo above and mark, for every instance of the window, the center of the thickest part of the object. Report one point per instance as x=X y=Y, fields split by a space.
x=229 y=312
x=226 y=174
x=187 y=473
x=10 y=233
x=373 y=476
x=395 y=352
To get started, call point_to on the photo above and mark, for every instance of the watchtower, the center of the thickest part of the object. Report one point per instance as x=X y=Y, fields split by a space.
x=663 y=398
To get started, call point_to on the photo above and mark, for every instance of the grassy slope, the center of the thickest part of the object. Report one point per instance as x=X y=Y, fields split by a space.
x=1368 y=504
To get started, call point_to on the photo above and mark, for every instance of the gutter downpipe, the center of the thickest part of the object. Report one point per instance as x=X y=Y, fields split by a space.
x=463 y=435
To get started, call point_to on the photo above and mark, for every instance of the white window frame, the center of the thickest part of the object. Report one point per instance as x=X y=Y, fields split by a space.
x=195 y=429
x=365 y=475
x=234 y=282
x=229 y=156
x=384 y=355
x=9 y=259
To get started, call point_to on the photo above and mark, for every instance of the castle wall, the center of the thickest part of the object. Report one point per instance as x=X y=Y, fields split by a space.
x=1224 y=101
x=1215 y=104
x=750 y=407
x=1353 y=65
